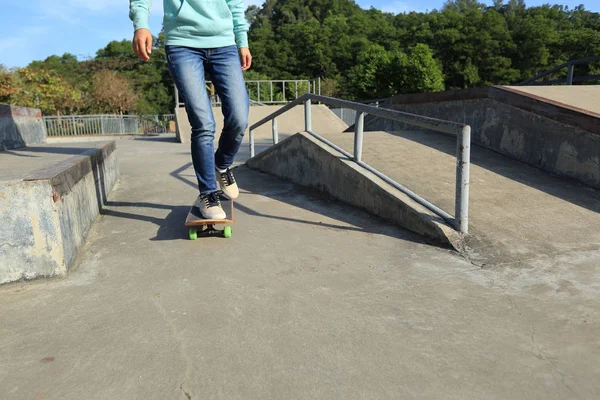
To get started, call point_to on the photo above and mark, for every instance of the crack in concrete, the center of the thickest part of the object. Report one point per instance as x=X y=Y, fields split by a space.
x=9 y=244
x=187 y=395
x=538 y=351
x=181 y=343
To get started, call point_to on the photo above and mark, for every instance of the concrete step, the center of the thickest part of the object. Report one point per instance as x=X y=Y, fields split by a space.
x=49 y=196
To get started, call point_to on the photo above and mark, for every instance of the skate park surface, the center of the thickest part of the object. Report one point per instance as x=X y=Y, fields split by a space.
x=313 y=298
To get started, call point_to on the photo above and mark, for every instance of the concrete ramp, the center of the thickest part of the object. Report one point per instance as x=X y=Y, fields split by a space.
x=183 y=129
x=556 y=129
x=288 y=124
x=306 y=161
x=517 y=213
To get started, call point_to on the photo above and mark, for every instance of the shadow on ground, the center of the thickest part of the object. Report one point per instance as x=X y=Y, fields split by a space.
x=253 y=183
x=518 y=171
x=169 y=228
x=165 y=139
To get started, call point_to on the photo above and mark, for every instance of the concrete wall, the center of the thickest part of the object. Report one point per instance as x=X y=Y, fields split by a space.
x=20 y=126
x=49 y=214
x=538 y=140
x=30 y=234
x=78 y=208
x=306 y=161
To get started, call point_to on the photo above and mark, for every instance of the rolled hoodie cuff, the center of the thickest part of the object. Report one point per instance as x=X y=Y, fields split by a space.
x=140 y=21
x=241 y=39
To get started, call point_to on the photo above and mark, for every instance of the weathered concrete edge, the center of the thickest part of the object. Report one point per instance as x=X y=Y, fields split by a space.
x=512 y=96
x=75 y=204
x=64 y=175
x=306 y=161
x=20 y=127
x=17 y=111
x=79 y=208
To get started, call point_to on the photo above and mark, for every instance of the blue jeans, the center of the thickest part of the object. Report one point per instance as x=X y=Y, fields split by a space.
x=187 y=67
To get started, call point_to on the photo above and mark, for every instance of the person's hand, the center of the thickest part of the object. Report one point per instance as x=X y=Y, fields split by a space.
x=142 y=44
x=246 y=58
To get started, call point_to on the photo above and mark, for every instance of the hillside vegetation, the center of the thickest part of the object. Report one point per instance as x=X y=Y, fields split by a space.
x=359 y=54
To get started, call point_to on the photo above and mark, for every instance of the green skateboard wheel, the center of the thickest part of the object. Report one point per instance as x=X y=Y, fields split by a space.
x=227 y=232
x=193 y=234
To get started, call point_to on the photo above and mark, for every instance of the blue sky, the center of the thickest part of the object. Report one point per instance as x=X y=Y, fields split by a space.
x=35 y=29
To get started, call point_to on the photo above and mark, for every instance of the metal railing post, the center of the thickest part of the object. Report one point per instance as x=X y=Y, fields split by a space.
x=570 y=74
x=307 y=116
x=275 y=132
x=251 y=143
x=463 y=159
x=358 y=136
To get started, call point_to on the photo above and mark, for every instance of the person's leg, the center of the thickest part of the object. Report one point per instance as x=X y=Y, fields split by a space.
x=186 y=66
x=225 y=69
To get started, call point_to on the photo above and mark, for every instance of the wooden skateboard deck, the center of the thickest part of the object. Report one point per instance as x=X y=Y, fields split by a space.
x=202 y=227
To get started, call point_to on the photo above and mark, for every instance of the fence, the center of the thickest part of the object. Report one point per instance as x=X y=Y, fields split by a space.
x=569 y=79
x=77 y=125
x=265 y=92
x=460 y=221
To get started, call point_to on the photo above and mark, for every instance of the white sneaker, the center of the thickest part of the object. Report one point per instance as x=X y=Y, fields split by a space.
x=210 y=206
x=227 y=184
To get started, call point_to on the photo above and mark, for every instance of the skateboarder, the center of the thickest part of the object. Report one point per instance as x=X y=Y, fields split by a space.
x=201 y=35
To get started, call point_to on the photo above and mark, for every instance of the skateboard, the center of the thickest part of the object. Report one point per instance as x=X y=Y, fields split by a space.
x=202 y=227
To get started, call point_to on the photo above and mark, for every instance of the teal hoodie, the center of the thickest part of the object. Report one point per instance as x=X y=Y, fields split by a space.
x=197 y=23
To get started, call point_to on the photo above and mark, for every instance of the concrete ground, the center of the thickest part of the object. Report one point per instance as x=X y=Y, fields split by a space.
x=19 y=163
x=309 y=299
x=584 y=97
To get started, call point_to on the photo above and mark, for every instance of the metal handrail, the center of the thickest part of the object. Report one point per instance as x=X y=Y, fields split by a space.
x=463 y=147
x=571 y=69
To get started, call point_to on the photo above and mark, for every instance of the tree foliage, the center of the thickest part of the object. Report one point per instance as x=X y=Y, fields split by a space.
x=369 y=53
x=358 y=54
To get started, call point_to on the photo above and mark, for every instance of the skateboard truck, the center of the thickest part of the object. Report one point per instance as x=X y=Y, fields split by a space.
x=209 y=231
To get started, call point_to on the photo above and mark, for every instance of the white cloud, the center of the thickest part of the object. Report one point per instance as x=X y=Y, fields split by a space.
x=22 y=43
x=70 y=11
x=12 y=43
x=24 y=38
x=394 y=7
x=97 y=5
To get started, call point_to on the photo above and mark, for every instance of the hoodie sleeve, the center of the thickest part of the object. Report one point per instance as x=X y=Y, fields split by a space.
x=240 y=26
x=138 y=13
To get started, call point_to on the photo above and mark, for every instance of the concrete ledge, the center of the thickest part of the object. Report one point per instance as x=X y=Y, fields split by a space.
x=20 y=126
x=49 y=213
x=543 y=133
x=306 y=161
